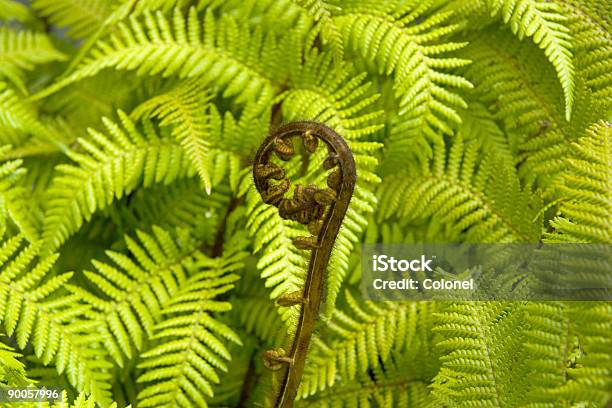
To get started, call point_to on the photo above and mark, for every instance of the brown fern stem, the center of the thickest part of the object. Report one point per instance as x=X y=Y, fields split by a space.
x=322 y=210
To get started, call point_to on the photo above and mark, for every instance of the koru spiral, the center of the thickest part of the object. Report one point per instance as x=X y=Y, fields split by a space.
x=322 y=211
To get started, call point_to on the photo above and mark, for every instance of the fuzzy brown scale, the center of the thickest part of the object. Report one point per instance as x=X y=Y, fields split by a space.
x=322 y=211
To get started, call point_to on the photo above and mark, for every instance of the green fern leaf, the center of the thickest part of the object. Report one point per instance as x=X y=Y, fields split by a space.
x=584 y=215
x=109 y=168
x=468 y=194
x=136 y=286
x=365 y=337
x=81 y=17
x=214 y=52
x=547 y=25
x=182 y=108
x=21 y=50
x=189 y=344
x=31 y=312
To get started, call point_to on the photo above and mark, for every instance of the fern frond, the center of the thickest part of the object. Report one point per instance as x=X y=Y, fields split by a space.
x=13 y=10
x=481 y=198
x=21 y=51
x=80 y=17
x=548 y=26
x=189 y=343
x=484 y=358
x=515 y=81
x=590 y=29
x=180 y=205
x=12 y=371
x=135 y=286
x=585 y=212
x=216 y=51
x=590 y=375
x=31 y=311
x=15 y=114
x=366 y=336
x=282 y=265
x=15 y=202
x=185 y=109
x=369 y=393
x=321 y=11
x=108 y=168
x=385 y=35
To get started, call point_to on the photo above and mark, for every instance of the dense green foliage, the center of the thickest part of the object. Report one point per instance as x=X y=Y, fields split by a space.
x=138 y=264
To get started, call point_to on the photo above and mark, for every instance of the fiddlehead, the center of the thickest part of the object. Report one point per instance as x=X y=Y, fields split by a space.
x=322 y=211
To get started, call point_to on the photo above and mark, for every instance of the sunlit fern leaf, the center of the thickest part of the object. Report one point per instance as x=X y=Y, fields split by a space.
x=12 y=371
x=526 y=100
x=549 y=342
x=364 y=336
x=9 y=172
x=585 y=214
x=387 y=35
x=32 y=312
x=591 y=30
x=19 y=115
x=478 y=196
x=21 y=51
x=14 y=10
x=80 y=17
x=189 y=343
x=15 y=204
x=543 y=21
x=216 y=50
x=135 y=286
x=185 y=108
x=108 y=168
x=321 y=11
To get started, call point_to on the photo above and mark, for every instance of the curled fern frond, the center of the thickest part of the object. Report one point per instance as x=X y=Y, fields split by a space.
x=344 y=102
